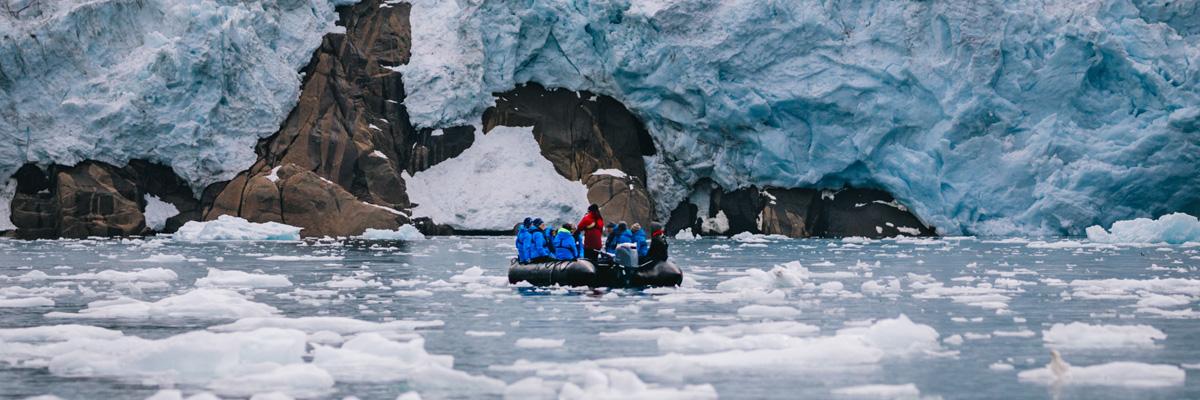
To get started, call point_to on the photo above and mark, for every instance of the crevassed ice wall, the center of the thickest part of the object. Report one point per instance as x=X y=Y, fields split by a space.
x=188 y=83
x=986 y=117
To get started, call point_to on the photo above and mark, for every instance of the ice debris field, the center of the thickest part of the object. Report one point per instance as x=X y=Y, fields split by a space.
x=757 y=317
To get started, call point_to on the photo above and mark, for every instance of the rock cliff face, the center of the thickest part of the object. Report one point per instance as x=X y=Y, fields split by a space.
x=96 y=199
x=334 y=166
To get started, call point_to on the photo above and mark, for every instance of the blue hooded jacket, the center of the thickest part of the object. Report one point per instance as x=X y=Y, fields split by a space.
x=564 y=245
x=643 y=245
x=537 y=244
x=522 y=244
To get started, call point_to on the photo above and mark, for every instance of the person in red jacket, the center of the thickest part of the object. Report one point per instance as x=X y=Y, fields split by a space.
x=592 y=226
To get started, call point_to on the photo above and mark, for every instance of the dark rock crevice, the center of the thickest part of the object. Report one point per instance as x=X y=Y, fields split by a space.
x=799 y=212
x=96 y=199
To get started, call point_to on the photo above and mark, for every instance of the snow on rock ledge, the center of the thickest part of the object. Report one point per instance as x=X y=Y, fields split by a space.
x=498 y=181
x=1174 y=228
x=227 y=227
x=986 y=117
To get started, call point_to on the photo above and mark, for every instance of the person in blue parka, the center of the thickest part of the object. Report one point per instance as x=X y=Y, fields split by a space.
x=639 y=237
x=564 y=244
x=522 y=242
x=537 y=250
x=620 y=234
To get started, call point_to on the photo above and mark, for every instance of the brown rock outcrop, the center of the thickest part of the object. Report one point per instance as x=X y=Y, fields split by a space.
x=95 y=199
x=334 y=167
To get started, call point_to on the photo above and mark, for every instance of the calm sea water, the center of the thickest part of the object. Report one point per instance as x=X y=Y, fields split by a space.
x=989 y=302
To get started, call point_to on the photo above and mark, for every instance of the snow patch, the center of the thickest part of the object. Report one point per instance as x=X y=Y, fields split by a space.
x=499 y=180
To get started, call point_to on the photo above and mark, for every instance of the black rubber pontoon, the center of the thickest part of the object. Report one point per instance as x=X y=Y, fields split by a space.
x=585 y=273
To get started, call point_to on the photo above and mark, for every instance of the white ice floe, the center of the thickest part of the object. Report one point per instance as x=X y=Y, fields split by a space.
x=241 y=279
x=228 y=227
x=339 y=325
x=692 y=354
x=405 y=232
x=762 y=311
x=306 y=257
x=686 y=234
x=905 y=391
x=1078 y=335
x=26 y=302
x=499 y=180
x=539 y=343
x=221 y=361
x=1177 y=228
x=167 y=258
x=1121 y=373
x=617 y=384
x=138 y=275
x=201 y=303
x=370 y=357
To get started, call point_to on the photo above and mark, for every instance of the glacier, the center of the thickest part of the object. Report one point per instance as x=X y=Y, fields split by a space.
x=192 y=84
x=986 y=117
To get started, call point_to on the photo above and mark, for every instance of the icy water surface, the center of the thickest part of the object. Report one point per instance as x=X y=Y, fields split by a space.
x=757 y=318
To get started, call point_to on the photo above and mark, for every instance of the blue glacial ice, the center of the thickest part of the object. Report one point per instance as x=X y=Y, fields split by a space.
x=1177 y=228
x=985 y=117
x=188 y=83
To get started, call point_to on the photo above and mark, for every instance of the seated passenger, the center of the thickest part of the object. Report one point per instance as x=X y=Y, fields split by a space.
x=639 y=237
x=522 y=242
x=564 y=244
x=658 y=245
x=537 y=250
x=620 y=234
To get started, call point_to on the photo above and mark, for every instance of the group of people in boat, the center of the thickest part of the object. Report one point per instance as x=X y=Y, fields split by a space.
x=591 y=239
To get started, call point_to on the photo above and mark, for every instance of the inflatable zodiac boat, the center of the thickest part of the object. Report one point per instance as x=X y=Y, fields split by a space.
x=604 y=274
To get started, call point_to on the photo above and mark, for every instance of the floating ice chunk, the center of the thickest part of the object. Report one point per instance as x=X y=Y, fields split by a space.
x=616 y=384
x=761 y=311
x=905 y=391
x=686 y=234
x=539 y=343
x=228 y=227
x=1078 y=335
x=492 y=181
x=298 y=380
x=339 y=325
x=202 y=303
x=140 y=275
x=240 y=279
x=195 y=357
x=854 y=347
x=405 y=232
x=484 y=333
x=1000 y=367
x=788 y=275
x=167 y=258
x=26 y=302
x=1122 y=373
x=158 y=212
x=56 y=333
x=476 y=275
x=1176 y=228
x=306 y=257
x=271 y=396
x=370 y=357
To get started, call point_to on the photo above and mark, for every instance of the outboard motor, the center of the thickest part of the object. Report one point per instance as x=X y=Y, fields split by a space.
x=626 y=258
